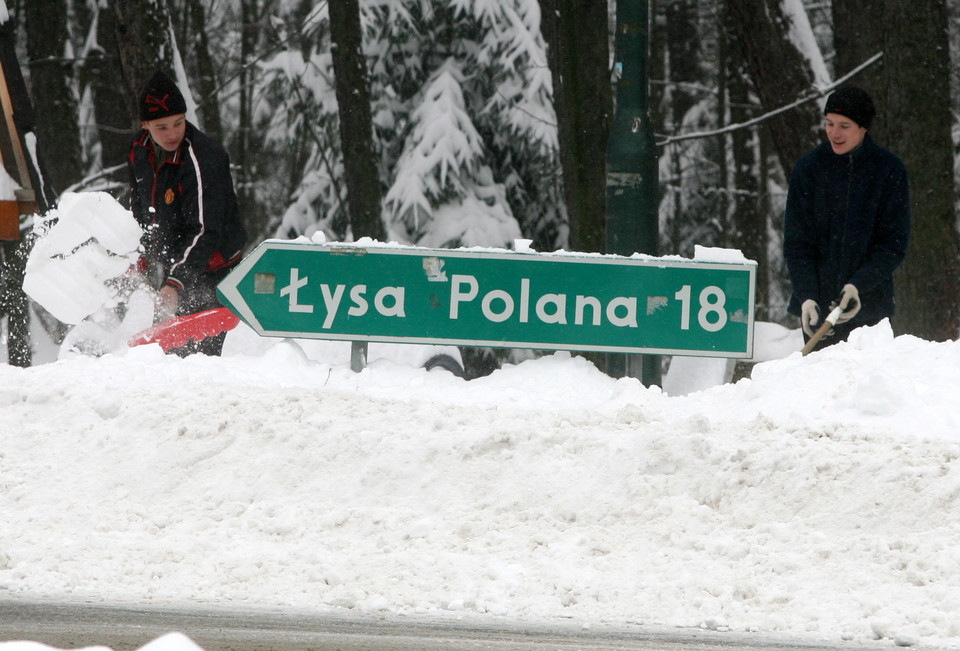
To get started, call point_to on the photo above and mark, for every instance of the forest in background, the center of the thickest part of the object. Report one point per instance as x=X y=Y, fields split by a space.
x=476 y=106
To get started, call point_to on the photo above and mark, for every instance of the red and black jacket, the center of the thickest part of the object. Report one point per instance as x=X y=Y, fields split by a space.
x=187 y=208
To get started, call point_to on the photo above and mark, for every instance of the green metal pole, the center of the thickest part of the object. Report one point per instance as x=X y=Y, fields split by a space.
x=632 y=219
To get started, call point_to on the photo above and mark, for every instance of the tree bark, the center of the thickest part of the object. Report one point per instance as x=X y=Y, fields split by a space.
x=680 y=67
x=205 y=78
x=918 y=129
x=683 y=55
x=101 y=75
x=750 y=222
x=58 y=133
x=244 y=149
x=576 y=32
x=750 y=232
x=857 y=36
x=143 y=41
x=356 y=124
x=14 y=303
x=780 y=74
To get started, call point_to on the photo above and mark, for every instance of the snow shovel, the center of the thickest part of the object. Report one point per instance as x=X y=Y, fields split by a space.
x=828 y=323
x=178 y=331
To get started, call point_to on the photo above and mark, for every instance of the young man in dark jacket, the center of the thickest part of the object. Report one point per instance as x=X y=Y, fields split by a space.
x=181 y=193
x=847 y=222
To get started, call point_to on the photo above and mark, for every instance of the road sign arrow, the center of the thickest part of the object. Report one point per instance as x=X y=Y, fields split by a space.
x=473 y=297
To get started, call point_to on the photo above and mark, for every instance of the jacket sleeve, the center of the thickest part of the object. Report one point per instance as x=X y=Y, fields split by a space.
x=206 y=195
x=891 y=235
x=800 y=248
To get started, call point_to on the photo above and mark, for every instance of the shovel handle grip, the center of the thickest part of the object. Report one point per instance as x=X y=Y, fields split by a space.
x=828 y=323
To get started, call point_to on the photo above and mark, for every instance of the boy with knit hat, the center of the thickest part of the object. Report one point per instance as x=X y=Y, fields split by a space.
x=847 y=222
x=181 y=193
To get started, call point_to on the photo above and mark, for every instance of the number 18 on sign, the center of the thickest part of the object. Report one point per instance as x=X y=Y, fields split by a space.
x=495 y=298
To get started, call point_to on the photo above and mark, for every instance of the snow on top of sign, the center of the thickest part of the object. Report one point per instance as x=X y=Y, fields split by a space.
x=701 y=253
x=714 y=254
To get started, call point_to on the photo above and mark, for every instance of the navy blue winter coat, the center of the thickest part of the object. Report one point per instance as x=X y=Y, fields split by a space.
x=187 y=208
x=847 y=221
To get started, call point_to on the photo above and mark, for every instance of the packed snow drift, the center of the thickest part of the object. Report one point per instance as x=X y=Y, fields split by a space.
x=815 y=498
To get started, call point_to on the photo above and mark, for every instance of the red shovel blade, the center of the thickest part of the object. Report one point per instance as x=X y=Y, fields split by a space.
x=176 y=332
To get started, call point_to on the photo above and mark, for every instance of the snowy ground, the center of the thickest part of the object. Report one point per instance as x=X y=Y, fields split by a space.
x=818 y=497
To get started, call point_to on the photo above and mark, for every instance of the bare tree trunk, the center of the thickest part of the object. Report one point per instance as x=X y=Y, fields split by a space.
x=683 y=53
x=143 y=41
x=576 y=32
x=681 y=42
x=750 y=222
x=244 y=154
x=204 y=71
x=918 y=129
x=857 y=36
x=14 y=303
x=726 y=203
x=780 y=74
x=58 y=133
x=101 y=74
x=356 y=125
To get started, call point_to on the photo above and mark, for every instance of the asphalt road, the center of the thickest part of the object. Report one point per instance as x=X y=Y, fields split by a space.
x=125 y=628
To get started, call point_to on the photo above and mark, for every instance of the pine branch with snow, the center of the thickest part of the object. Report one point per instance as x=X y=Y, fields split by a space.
x=463 y=120
x=443 y=167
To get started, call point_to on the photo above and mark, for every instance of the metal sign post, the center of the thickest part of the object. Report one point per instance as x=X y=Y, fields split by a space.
x=632 y=193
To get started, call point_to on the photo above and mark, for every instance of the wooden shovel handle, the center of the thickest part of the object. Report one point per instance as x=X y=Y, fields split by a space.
x=828 y=323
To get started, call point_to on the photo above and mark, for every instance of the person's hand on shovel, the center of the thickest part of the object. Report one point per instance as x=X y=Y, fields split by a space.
x=166 y=306
x=841 y=310
x=809 y=316
x=849 y=303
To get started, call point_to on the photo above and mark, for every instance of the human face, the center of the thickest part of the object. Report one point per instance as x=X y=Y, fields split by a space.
x=844 y=134
x=167 y=132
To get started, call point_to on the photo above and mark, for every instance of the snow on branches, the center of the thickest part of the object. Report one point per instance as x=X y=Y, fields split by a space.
x=463 y=123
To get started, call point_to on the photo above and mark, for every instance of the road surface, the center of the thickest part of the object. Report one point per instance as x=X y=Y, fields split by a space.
x=128 y=627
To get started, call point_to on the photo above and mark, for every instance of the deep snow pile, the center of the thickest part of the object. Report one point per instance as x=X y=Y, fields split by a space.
x=815 y=498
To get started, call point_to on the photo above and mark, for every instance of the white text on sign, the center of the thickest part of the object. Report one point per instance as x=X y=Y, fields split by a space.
x=499 y=305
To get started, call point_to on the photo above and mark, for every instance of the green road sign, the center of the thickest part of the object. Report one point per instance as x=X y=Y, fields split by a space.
x=495 y=298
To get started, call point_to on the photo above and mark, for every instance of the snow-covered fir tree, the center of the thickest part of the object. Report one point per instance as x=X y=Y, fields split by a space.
x=463 y=122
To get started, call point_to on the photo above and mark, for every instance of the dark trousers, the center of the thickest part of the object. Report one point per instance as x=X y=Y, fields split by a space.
x=199 y=297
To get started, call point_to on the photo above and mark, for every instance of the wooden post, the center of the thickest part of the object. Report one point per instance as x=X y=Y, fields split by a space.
x=12 y=153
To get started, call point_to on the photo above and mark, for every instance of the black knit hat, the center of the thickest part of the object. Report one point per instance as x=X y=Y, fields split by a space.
x=161 y=98
x=853 y=103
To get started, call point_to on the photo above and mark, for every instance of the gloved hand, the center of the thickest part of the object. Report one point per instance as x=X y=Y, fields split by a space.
x=849 y=303
x=809 y=316
x=166 y=304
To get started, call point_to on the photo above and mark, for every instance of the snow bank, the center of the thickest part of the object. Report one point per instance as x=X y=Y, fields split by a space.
x=813 y=498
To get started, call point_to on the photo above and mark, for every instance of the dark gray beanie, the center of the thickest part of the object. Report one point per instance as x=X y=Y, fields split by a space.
x=853 y=103
x=161 y=98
